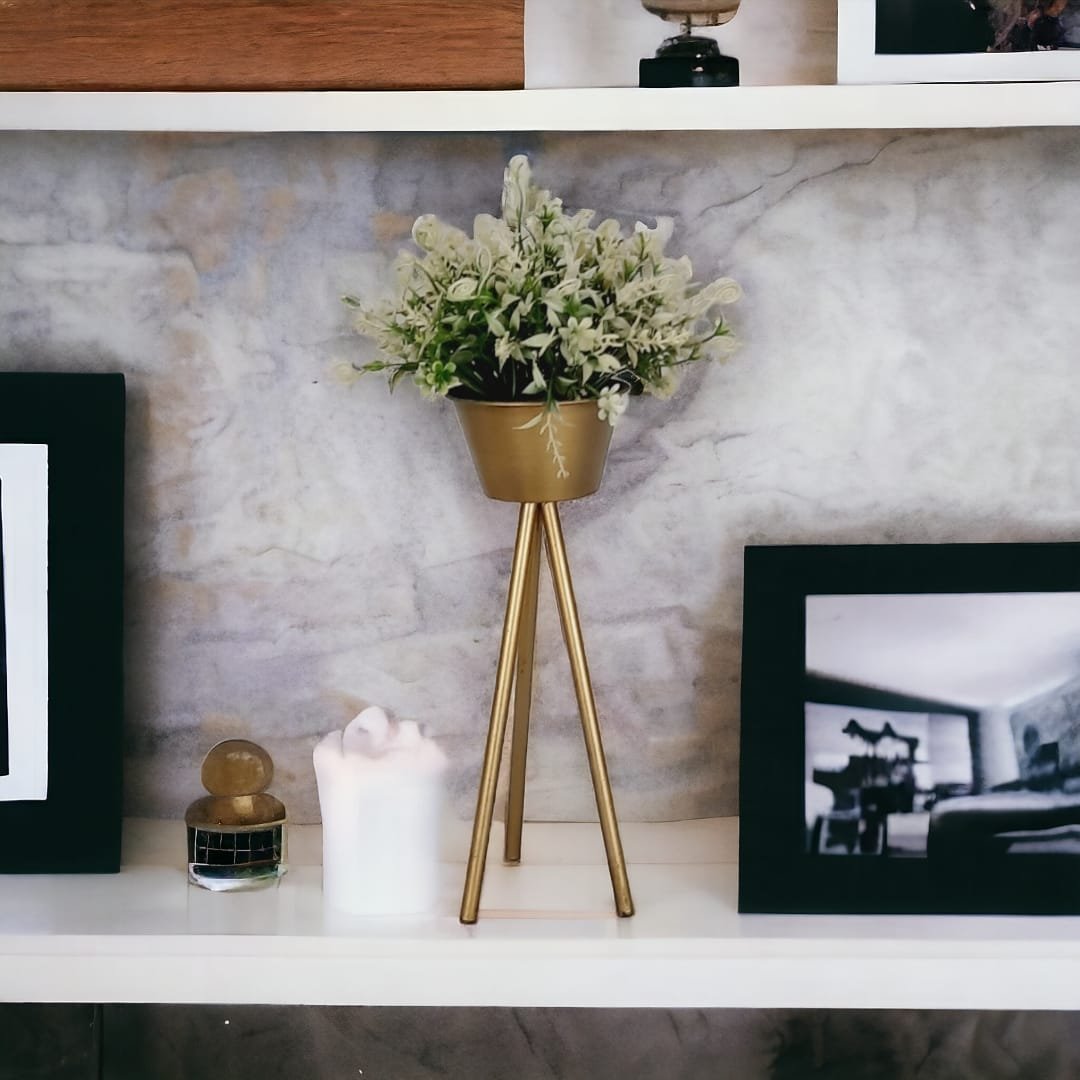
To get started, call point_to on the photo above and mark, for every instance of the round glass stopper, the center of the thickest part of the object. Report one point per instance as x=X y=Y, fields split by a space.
x=237 y=767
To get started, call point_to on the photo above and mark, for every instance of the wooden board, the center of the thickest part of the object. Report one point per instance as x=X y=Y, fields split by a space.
x=261 y=44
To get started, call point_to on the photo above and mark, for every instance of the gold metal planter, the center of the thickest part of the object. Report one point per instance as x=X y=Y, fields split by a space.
x=515 y=465
x=514 y=462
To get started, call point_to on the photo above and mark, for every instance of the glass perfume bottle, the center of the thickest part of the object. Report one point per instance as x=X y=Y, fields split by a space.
x=690 y=59
x=236 y=835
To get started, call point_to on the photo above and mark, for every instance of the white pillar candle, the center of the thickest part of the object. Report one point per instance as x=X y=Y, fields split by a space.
x=380 y=792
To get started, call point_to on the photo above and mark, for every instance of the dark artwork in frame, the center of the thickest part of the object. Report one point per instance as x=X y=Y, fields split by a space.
x=925 y=27
x=911 y=729
x=72 y=825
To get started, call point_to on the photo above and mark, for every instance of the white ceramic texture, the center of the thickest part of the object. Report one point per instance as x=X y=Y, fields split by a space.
x=299 y=547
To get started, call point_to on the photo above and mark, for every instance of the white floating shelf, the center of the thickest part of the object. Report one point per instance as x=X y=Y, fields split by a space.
x=750 y=108
x=546 y=937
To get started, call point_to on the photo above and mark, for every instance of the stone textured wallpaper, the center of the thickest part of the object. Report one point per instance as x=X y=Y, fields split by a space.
x=299 y=546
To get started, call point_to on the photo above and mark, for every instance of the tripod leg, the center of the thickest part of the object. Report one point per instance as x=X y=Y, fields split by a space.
x=523 y=680
x=575 y=647
x=500 y=708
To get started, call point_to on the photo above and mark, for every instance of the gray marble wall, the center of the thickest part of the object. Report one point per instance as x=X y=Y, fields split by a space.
x=298 y=546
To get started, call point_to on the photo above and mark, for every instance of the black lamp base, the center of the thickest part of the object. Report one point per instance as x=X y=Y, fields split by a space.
x=689 y=60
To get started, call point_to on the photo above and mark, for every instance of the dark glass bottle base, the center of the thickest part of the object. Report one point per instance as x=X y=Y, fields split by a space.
x=223 y=860
x=689 y=60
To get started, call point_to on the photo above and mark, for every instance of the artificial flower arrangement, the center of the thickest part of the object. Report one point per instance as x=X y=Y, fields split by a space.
x=538 y=305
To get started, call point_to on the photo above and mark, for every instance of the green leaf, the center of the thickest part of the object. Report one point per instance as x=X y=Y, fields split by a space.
x=400 y=373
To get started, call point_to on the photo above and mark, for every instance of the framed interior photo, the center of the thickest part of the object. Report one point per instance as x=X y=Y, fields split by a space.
x=61 y=575
x=911 y=729
x=903 y=41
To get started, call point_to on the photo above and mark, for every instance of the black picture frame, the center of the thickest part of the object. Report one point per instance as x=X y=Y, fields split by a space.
x=80 y=417
x=779 y=871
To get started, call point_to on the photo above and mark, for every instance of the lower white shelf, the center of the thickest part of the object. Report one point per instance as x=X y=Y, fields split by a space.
x=546 y=937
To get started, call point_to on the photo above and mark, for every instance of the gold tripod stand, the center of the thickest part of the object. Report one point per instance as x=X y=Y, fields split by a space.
x=512 y=469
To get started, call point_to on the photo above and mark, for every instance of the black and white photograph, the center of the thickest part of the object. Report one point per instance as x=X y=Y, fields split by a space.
x=971 y=741
x=958 y=40
x=911 y=729
x=24 y=639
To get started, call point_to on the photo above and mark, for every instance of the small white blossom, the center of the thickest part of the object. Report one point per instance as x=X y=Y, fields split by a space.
x=578 y=338
x=611 y=404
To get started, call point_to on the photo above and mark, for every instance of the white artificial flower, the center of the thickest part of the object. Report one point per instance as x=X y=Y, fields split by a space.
x=656 y=239
x=580 y=221
x=631 y=293
x=728 y=290
x=344 y=372
x=578 y=337
x=424 y=230
x=609 y=231
x=404 y=266
x=682 y=268
x=434 y=235
x=462 y=289
x=565 y=288
x=668 y=384
x=538 y=341
x=611 y=404
x=723 y=291
x=494 y=235
x=538 y=384
x=720 y=348
x=516 y=183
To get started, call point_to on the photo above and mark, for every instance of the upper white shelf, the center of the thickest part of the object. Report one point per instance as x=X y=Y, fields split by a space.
x=546 y=937
x=749 y=108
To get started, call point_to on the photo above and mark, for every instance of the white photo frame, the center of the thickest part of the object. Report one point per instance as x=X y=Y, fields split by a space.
x=857 y=60
x=24 y=513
